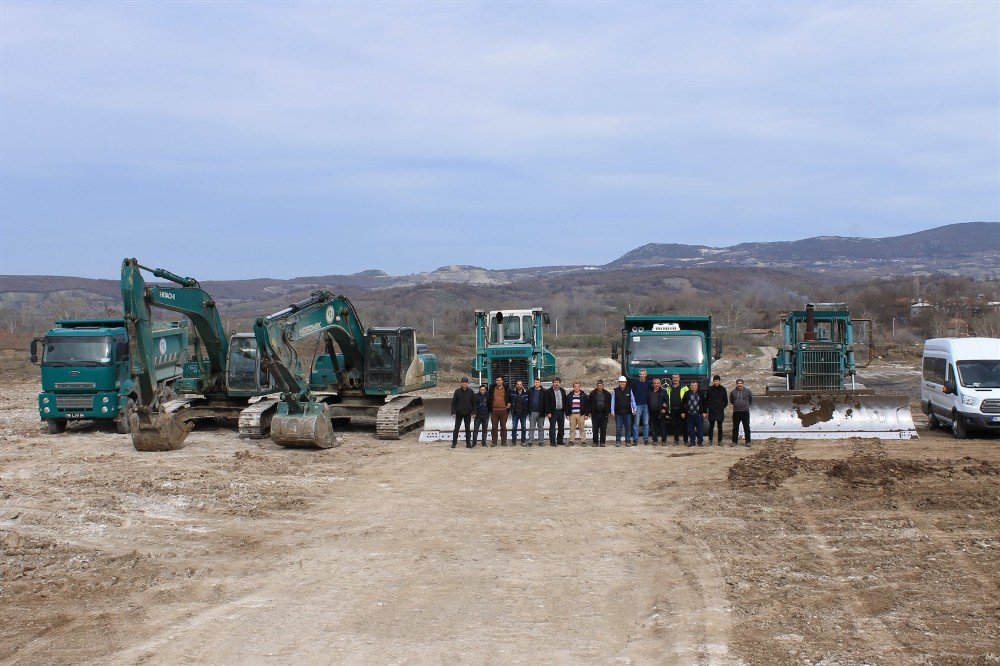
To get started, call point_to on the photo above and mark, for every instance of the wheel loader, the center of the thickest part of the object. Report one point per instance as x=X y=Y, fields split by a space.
x=817 y=395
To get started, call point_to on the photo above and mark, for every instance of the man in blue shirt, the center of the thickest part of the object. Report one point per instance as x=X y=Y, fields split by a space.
x=640 y=391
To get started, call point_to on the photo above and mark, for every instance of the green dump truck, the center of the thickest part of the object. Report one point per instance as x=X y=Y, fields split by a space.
x=85 y=369
x=665 y=345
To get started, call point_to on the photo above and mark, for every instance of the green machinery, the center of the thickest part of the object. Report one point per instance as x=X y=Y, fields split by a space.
x=665 y=345
x=363 y=382
x=219 y=380
x=85 y=369
x=817 y=395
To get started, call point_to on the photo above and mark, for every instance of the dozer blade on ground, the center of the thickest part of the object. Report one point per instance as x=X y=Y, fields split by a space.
x=831 y=415
x=158 y=431
x=438 y=421
x=313 y=428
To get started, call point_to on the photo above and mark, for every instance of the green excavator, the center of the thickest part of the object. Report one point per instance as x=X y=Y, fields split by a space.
x=364 y=382
x=222 y=379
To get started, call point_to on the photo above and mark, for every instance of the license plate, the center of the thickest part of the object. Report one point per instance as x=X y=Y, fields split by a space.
x=995 y=419
x=75 y=416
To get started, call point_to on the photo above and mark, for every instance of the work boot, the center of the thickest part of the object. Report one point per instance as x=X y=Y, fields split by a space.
x=453 y=445
x=618 y=443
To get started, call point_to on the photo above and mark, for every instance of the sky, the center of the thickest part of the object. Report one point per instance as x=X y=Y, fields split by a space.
x=229 y=140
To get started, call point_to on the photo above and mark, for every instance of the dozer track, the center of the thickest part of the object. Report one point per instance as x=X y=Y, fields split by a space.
x=398 y=416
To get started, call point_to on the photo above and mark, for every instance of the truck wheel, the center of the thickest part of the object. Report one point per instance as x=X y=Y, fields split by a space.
x=932 y=421
x=957 y=427
x=122 y=425
x=56 y=426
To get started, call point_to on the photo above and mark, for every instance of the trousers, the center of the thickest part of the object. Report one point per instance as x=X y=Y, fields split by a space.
x=641 y=418
x=466 y=418
x=712 y=425
x=744 y=418
x=498 y=417
x=557 y=420
x=482 y=420
x=536 y=427
x=696 y=426
x=658 y=425
x=623 y=426
x=523 y=420
x=678 y=425
x=599 y=427
x=576 y=426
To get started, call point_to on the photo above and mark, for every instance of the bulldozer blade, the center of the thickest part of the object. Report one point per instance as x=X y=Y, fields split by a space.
x=831 y=415
x=438 y=420
x=313 y=428
x=158 y=431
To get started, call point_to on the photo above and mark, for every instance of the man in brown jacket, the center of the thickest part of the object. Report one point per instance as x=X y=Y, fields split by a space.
x=499 y=406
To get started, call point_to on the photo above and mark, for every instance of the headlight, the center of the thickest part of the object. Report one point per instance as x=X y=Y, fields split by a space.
x=46 y=410
x=104 y=409
x=970 y=400
x=105 y=399
x=45 y=400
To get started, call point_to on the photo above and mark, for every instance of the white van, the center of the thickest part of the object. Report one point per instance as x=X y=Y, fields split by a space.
x=960 y=385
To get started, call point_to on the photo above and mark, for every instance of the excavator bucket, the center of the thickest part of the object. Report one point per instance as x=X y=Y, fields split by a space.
x=158 y=431
x=438 y=421
x=312 y=428
x=831 y=415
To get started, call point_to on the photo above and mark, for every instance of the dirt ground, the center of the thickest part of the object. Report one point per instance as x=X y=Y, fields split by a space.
x=238 y=551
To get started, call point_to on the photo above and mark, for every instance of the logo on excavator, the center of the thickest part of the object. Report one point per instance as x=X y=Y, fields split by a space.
x=166 y=295
x=329 y=314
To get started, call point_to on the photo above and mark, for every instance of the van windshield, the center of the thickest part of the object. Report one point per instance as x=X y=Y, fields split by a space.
x=82 y=351
x=979 y=374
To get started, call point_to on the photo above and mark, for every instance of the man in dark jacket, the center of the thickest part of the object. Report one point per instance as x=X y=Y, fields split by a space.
x=462 y=406
x=659 y=411
x=623 y=407
x=536 y=413
x=482 y=414
x=742 y=400
x=717 y=398
x=555 y=409
x=519 y=413
x=600 y=407
x=693 y=412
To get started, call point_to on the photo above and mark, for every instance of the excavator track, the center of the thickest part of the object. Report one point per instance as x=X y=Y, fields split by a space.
x=255 y=420
x=398 y=416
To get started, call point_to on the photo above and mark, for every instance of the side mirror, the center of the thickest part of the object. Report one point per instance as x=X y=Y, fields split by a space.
x=545 y=318
x=499 y=317
x=34 y=350
x=614 y=350
x=717 y=352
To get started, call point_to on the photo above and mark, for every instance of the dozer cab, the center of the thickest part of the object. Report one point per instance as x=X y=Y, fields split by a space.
x=816 y=394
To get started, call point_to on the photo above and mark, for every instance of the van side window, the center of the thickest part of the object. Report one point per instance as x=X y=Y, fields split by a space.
x=934 y=369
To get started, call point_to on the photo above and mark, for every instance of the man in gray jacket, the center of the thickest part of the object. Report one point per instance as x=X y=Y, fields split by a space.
x=742 y=400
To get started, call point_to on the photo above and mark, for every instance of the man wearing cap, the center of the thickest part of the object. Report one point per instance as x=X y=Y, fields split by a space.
x=536 y=413
x=600 y=407
x=519 y=412
x=555 y=409
x=462 y=406
x=623 y=408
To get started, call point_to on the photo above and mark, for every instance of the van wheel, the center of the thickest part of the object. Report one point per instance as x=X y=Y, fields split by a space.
x=957 y=427
x=122 y=425
x=932 y=421
x=56 y=426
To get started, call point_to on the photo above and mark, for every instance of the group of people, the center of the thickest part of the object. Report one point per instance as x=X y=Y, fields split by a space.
x=642 y=406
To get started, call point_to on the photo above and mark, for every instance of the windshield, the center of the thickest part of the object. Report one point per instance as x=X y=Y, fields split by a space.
x=979 y=374
x=512 y=328
x=89 y=350
x=681 y=351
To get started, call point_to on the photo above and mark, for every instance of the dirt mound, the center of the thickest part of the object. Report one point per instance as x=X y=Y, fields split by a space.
x=766 y=468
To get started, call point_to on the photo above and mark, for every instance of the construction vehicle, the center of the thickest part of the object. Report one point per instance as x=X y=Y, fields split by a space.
x=666 y=345
x=509 y=344
x=817 y=395
x=219 y=380
x=85 y=369
x=350 y=384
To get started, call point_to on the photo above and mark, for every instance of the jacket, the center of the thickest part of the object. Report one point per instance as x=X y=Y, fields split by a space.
x=677 y=396
x=621 y=397
x=518 y=402
x=506 y=396
x=717 y=398
x=641 y=390
x=584 y=403
x=541 y=399
x=463 y=402
x=659 y=400
x=600 y=403
x=694 y=402
x=550 y=400
x=482 y=402
x=741 y=399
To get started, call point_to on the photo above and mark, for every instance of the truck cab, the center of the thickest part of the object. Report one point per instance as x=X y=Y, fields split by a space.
x=665 y=345
x=85 y=370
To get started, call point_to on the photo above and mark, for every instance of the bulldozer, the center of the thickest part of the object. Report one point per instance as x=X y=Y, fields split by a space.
x=815 y=393
x=222 y=379
x=364 y=382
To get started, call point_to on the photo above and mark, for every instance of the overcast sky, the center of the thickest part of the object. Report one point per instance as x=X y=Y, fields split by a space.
x=232 y=140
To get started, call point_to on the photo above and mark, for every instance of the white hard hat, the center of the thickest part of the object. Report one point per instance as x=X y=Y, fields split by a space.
x=622 y=379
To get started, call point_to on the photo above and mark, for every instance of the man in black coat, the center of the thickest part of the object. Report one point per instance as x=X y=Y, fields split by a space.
x=462 y=407
x=600 y=407
x=555 y=409
x=717 y=398
x=659 y=411
x=482 y=413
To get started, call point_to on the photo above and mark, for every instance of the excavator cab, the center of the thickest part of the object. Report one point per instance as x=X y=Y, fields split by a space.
x=390 y=353
x=244 y=372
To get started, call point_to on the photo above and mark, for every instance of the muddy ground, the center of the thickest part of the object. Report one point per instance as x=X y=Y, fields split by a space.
x=237 y=551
